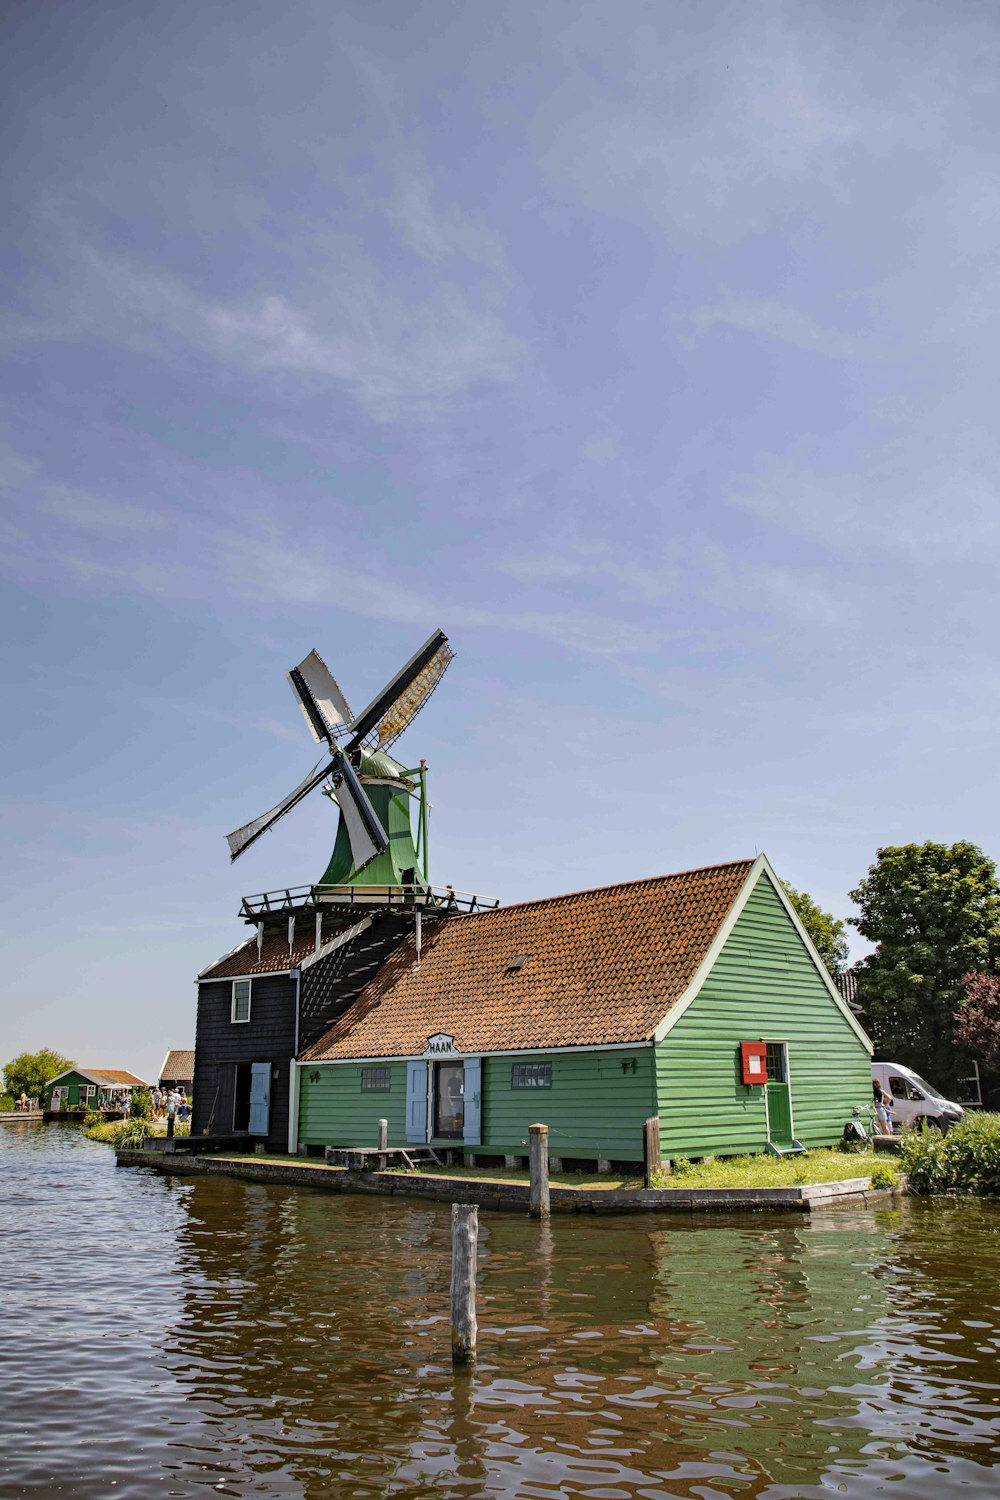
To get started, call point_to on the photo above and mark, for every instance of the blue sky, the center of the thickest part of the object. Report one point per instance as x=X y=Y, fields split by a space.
x=648 y=349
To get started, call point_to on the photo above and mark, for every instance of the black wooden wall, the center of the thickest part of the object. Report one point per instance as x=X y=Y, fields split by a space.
x=268 y=1036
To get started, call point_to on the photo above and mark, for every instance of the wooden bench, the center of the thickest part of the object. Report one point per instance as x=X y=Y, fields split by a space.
x=358 y=1158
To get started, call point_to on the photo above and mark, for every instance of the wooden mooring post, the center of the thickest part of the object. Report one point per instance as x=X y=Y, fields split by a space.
x=464 y=1247
x=538 y=1171
x=383 y=1142
x=651 y=1151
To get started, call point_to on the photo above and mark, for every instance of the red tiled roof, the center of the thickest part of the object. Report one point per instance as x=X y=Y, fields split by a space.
x=178 y=1065
x=602 y=966
x=274 y=955
x=109 y=1077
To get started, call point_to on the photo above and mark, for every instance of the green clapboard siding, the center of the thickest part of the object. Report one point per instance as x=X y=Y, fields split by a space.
x=595 y=1107
x=764 y=984
x=333 y=1111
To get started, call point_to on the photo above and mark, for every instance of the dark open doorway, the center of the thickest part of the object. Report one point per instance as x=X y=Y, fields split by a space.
x=241 y=1096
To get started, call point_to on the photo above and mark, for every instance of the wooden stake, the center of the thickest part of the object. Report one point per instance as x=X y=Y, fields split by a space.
x=538 y=1171
x=464 y=1246
x=383 y=1142
x=652 y=1154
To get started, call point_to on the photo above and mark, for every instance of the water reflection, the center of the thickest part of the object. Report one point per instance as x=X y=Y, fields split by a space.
x=255 y=1341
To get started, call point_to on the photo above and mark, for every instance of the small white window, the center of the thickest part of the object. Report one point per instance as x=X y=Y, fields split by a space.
x=241 y=999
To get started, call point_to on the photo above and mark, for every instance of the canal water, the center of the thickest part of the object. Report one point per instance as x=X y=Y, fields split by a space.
x=163 y=1337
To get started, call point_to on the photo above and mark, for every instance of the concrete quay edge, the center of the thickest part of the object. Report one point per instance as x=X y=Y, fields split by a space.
x=513 y=1196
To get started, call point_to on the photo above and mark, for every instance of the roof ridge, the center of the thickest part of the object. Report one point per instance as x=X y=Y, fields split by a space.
x=618 y=885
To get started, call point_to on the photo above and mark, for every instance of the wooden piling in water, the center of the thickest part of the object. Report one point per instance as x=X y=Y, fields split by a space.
x=464 y=1247
x=383 y=1142
x=651 y=1150
x=538 y=1171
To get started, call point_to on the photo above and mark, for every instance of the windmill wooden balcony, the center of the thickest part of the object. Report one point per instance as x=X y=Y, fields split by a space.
x=296 y=898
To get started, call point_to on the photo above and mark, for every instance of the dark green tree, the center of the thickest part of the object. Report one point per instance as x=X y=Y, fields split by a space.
x=31 y=1071
x=933 y=910
x=826 y=931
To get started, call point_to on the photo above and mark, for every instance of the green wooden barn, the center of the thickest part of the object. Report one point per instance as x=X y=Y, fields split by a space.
x=697 y=997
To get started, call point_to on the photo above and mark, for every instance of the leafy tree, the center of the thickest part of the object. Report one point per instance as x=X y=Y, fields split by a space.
x=826 y=931
x=934 y=912
x=977 y=1024
x=31 y=1071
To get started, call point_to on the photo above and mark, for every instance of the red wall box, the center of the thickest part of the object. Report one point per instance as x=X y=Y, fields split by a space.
x=753 y=1057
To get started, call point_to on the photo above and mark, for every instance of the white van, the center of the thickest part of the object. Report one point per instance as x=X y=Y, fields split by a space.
x=914 y=1102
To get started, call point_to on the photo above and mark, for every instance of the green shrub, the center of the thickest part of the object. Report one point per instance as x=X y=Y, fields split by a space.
x=6 y=1102
x=966 y=1160
x=884 y=1175
x=142 y=1103
x=91 y=1118
x=680 y=1166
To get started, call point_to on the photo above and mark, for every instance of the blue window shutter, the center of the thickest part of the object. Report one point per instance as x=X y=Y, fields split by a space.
x=473 y=1133
x=260 y=1098
x=416 y=1101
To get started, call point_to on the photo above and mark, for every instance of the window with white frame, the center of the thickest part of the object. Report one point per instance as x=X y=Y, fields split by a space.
x=241 y=1000
x=86 y=1091
x=375 y=1080
x=531 y=1075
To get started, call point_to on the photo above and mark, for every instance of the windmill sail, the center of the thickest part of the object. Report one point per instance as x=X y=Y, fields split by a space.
x=364 y=830
x=317 y=692
x=243 y=837
x=398 y=704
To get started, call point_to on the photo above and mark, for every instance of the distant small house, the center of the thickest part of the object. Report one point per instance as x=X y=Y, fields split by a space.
x=177 y=1071
x=80 y=1088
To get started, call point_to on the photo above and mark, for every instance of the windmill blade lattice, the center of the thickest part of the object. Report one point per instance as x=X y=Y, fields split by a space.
x=242 y=838
x=398 y=704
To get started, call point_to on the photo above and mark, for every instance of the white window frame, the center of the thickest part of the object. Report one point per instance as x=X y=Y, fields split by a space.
x=86 y=1092
x=241 y=1020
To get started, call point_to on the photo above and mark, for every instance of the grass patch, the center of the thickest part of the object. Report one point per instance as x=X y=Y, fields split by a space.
x=771 y=1171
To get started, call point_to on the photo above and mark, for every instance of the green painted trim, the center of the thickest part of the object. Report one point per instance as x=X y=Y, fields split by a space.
x=341 y=1062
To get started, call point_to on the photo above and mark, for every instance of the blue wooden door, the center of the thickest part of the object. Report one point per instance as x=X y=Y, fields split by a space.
x=473 y=1132
x=260 y=1098
x=416 y=1101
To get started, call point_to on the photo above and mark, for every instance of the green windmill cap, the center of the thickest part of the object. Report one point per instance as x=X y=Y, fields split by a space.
x=380 y=763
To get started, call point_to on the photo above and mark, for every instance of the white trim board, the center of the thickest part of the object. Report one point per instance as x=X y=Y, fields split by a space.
x=337 y=942
x=254 y=974
x=761 y=866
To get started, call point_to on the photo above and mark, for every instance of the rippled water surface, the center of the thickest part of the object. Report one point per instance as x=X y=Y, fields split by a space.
x=168 y=1337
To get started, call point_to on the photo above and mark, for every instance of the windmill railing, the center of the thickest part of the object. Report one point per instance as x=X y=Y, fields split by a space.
x=429 y=897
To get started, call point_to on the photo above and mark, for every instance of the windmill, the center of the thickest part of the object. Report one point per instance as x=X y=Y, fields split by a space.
x=374 y=842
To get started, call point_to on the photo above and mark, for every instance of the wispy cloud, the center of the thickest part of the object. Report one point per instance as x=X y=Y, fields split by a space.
x=598 y=563
x=771 y=320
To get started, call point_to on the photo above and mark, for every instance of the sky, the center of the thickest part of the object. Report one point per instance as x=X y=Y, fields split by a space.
x=648 y=349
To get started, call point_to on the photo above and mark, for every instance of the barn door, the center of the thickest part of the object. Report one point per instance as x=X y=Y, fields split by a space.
x=473 y=1132
x=779 y=1099
x=260 y=1098
x=416 y=1101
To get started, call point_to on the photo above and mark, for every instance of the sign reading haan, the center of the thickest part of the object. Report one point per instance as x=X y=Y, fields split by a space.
x=441 y=1045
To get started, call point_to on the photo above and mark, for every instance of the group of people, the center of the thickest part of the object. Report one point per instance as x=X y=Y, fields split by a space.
x=115 y=1101
x=174 y=1104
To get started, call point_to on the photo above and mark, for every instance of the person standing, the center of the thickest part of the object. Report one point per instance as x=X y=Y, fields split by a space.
x=171 y=1114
